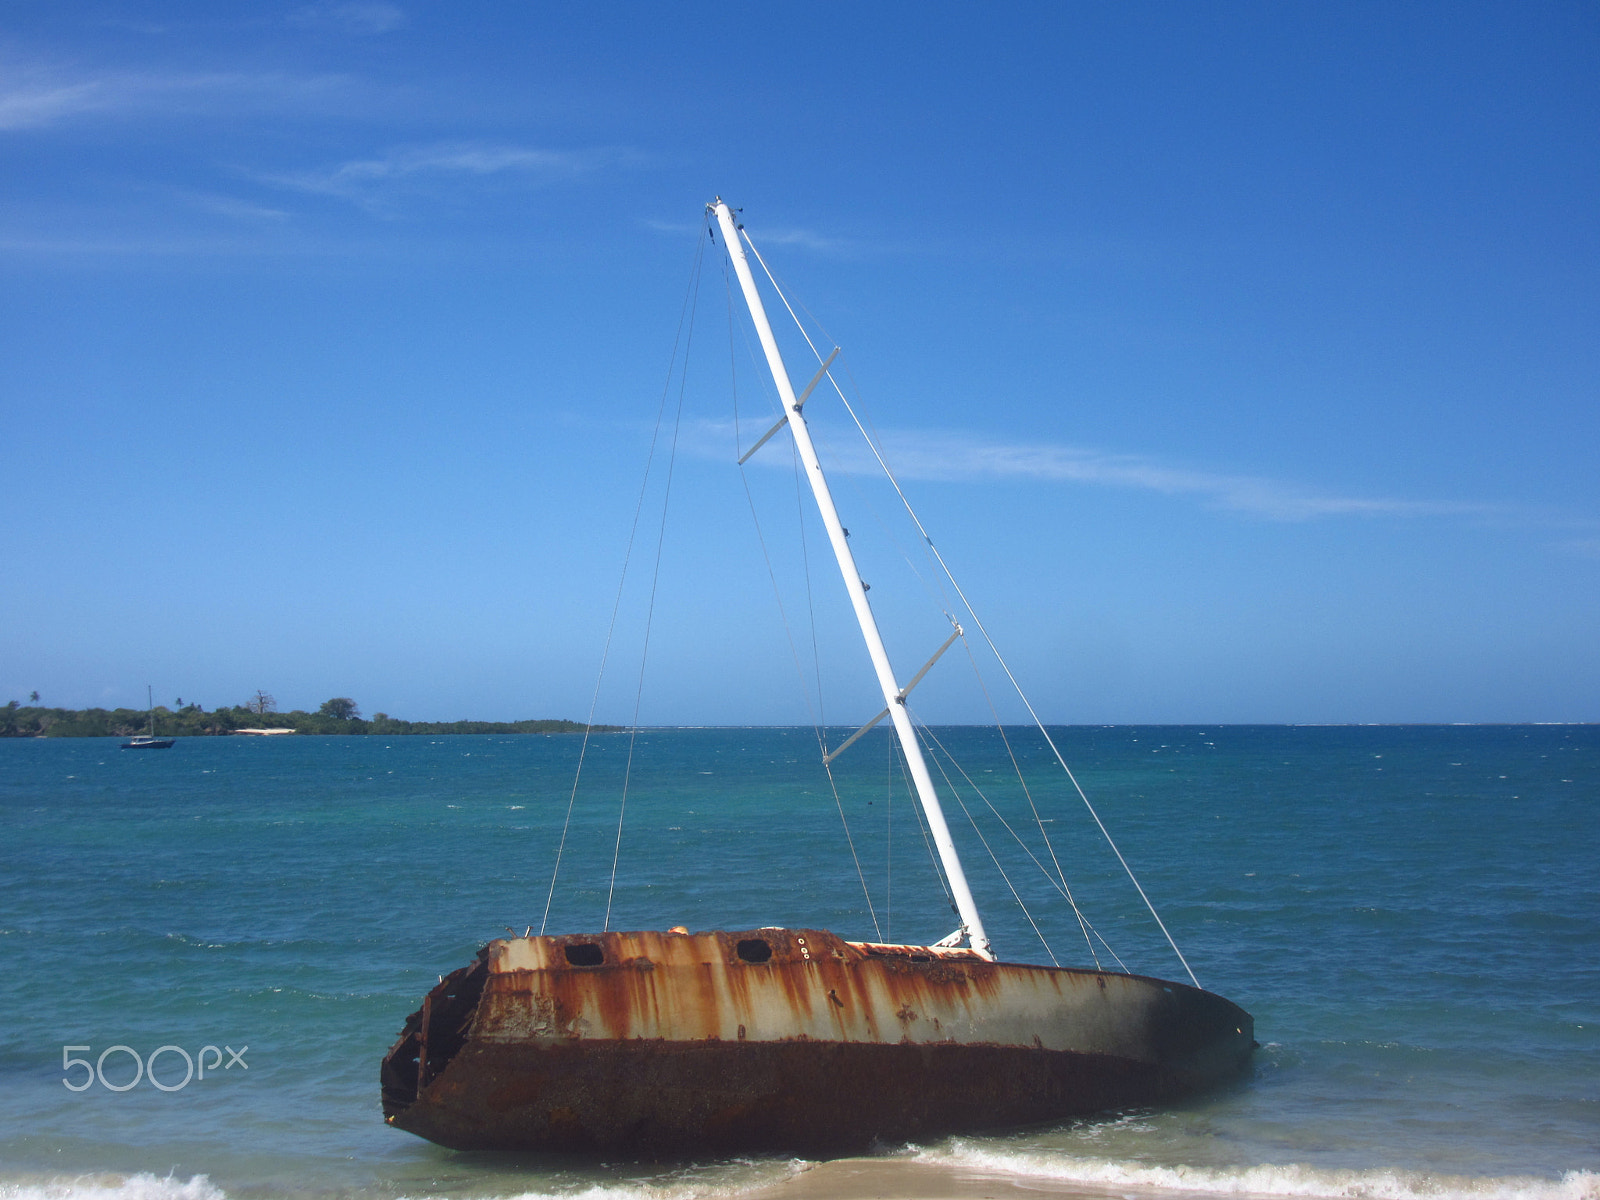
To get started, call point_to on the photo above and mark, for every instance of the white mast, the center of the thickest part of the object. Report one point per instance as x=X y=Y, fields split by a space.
x=893 y=697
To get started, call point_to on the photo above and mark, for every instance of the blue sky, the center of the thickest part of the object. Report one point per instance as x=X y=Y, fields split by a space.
x=1242 y=357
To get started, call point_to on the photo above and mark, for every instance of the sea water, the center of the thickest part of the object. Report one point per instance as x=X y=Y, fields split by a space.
x=1412 y=914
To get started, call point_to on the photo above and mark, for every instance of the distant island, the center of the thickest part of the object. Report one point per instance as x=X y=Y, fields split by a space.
x=339 y=715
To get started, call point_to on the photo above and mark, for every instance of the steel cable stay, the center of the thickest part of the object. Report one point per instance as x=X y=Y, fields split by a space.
x=942 y=601
x=811 y=604
x=888 y=841
x=945 y=570
x=1088 y=927
x=777 y=594
x=971 y=925
x=847 y=475
x=872 y=438
x=955 y=794
x=691 y=291
x=650 y=608
x=822 y=745
x=1021 y=695
x=1061 y=889
x=927 y=841
x=1022 y=781
x=1090 y=933
x=1086 y=924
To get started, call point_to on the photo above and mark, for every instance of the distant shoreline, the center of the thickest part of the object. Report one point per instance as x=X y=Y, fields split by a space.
x=22 y=721
x=18 y=721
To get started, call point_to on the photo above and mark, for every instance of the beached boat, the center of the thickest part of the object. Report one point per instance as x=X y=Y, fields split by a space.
x=792 y=1040
x=149 y=741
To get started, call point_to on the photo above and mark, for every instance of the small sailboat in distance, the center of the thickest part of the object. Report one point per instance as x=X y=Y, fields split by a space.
x=149 y=741
x=792 y=1040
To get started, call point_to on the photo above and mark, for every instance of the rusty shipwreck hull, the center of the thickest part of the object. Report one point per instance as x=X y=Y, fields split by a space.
x=670 y=1044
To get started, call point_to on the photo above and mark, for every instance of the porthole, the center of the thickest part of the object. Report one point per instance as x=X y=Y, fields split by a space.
x=754 y=950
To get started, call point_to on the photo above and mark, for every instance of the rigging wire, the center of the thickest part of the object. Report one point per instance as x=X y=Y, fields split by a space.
x=1060 y=879
x=924 y=734
x=1021 y=695
x=888 y=853
x=870 y=437
x=690 y=291
x=1061 y=886
x=945 y=569
x=811 y=602
x=794 y=651
x=655 y=579
x=927 y=838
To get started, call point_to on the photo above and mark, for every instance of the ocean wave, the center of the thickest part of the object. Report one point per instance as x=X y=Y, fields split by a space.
x=1293 y=1179
x=729 y=1180
x=145 y=1186
x=638 y=1190
x=113 y=1187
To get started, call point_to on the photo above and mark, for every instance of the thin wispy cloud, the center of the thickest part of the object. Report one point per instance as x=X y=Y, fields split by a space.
x=1579 y=548
x=803 y=239
x=232 y=207
x=131 y=246
x=806 y=239
x=362 y=19
x=369 y=180
x=951 y=457
x=675 y=228
x=27 y=105
x=37 y=97
x=943 y=456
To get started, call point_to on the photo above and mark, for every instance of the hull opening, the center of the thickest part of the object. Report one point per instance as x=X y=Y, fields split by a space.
x=432 y=1037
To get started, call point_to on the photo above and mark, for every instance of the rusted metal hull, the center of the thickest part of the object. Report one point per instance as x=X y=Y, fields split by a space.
x=662 y=1044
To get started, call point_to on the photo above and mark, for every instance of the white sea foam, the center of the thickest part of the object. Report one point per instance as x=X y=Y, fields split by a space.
x=199 y=1187
x=113 y=1187
x=728 y=1179
x=715 y=1185
x=1293 y=1179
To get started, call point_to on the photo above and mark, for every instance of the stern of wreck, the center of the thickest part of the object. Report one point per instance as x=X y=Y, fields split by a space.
x=432 y=1036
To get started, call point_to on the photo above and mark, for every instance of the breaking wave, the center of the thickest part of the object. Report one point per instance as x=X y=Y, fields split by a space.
x=1293 y=1179
x=113 y=1187
x=727 y=1180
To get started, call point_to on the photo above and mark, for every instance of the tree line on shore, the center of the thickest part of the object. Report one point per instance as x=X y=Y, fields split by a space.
x=339 y=715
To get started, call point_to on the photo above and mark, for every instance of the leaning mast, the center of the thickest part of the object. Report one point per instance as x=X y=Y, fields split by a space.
x=893 y=694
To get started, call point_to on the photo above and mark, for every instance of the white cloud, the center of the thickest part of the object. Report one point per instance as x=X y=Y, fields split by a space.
x=675 y=228
x=803 y=239
x=1579 y=548
x=356 y=18
x=35 y=97
x=806 y=239
x=113 y=246
x=27 y=105
x=951 y=457
x=366 y=179
x=232 y=206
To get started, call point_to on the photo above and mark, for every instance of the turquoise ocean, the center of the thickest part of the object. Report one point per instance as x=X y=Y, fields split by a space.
x=1412 y=914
